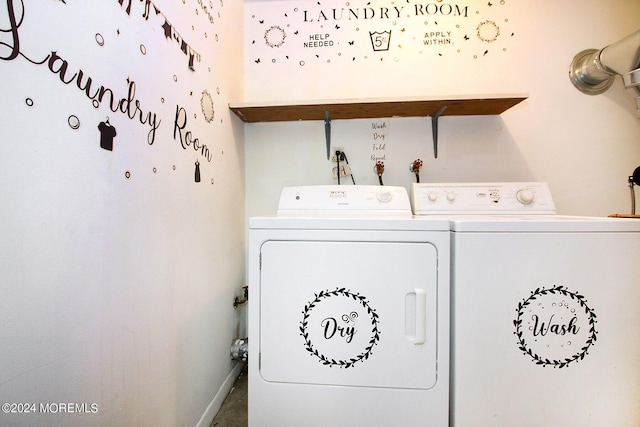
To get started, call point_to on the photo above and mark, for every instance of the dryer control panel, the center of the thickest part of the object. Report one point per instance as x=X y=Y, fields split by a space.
x=345 y=201
x=482 y=198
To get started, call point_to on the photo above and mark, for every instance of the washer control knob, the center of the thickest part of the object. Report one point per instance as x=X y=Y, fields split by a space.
x=451 y=196
x=384 y=196
x=433 y=196
x=525 y=196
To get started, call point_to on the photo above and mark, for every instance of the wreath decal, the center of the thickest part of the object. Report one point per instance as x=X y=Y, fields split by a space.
x=488 y=31
x=342 y=363
x=274 y=36
x=563 y=362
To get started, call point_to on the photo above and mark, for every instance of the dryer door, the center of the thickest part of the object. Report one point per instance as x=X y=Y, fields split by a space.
x=349 y=313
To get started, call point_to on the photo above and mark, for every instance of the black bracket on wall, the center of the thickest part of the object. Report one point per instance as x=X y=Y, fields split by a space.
x=434 y=129
x=327 y=132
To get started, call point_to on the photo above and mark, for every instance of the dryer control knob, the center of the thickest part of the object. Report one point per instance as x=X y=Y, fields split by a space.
x=525 y=196
x=384 y=196
x=451 y=196
x=433 y=196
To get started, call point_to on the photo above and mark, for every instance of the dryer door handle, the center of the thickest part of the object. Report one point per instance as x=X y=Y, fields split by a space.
x=416 y=316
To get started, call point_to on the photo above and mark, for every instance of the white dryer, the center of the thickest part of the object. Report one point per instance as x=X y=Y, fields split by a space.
x=348 y=311
x=545 y=309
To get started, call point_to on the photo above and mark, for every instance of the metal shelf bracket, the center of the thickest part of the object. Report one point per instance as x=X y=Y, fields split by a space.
x=327 y=132
x=434 y=129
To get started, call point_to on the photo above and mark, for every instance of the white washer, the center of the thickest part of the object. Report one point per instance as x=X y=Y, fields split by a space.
x=545 y=310
x=348 y=311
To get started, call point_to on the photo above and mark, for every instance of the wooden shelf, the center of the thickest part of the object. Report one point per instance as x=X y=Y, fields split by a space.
x=375 y=108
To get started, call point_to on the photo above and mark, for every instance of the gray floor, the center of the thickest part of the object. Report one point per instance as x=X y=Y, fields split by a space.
x=233 y=412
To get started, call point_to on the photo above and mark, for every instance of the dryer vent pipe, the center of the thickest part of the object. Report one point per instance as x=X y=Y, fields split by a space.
x=593 y=71
x=240 y=349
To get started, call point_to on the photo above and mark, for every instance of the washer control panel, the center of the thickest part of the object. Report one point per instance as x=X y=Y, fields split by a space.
x=482 y=198
x=345 y=201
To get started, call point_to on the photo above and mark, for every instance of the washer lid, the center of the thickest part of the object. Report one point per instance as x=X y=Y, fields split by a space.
x=541 y=223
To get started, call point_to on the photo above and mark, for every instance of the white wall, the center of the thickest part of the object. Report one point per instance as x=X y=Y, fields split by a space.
x=584 y=146
x=117 y=269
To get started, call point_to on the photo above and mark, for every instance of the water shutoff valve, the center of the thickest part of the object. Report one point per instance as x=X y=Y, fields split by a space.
x=240 y=349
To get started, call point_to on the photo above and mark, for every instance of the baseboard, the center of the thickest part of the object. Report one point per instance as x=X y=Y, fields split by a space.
x=216 y=403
